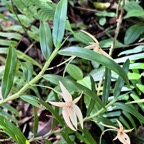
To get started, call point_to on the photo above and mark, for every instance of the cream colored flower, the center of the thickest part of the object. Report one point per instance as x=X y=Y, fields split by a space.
x=95 y=45
x=121 y=133
x=70 y=110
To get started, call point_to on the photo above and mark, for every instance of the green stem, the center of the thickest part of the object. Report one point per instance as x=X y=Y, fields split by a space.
x=100 y=111
x=33 y=81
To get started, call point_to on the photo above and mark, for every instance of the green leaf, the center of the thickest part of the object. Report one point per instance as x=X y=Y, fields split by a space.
x=105 y=14
x=88 y=136
x=108 y=42
x=45 y=39
x=9 y=73
x=106 y=87
x=132 y=5
x=130 y=57
x=66 y=137
x=82 y=37
x=27 y=70
x=140 y=87
x=12 y=131
x=82 y=138
x=130 y=109
x=11 y=109
x=32 y=100
x=22 y=56
x=134 y=75
x=59 y=23
x=133 y=9
x=102 y=21
x=137 y=49
x=133 y=33
x=135 y=13
x=92 y=102
x=120 y=82
x=8 y=35
x=8 y=116
x=130 y=118
x=137 y=100
x=71 y=85
x=35 y=127
x=137 y=66
x=93 y=56
x=74 y=71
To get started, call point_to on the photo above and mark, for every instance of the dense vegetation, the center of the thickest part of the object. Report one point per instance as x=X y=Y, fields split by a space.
x=71 y=71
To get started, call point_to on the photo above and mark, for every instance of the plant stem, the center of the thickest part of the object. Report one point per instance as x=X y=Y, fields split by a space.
x=33 y=81
x=43 y=137
x=100 y=111
x=119 y=21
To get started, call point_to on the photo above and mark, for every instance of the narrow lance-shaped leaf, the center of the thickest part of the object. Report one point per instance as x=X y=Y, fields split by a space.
x=45 y=39
x=130 y=109
x=9 y=73
x=107 y=84
x=22 y=56
x=12 y=131
x=59 y=22
x=27 y=70
x=92 y=102
x=120 y=81
x=35 y=121
x=93 y=56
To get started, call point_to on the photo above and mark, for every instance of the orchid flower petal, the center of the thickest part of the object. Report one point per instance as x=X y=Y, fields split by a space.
x=59 y=104
x=72 y=116
x=120 y=125
x=79 y=114
x=128 y=130
x=123 y=138
x=65 y=94
x=67 y=119
x=115 y=138
x=77 y=99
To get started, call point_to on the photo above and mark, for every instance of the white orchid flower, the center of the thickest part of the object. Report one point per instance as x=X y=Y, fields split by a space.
x=95 y=45
x=70 y=110
x=121 y=133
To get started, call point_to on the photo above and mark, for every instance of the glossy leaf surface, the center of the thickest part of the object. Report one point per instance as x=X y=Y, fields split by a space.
x=9 y=73
x=27 y=70
x=45 y=39
x=93 y=56
x=12 y=131
x=59 y=23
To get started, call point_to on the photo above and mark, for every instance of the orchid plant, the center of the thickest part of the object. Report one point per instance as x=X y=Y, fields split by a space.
x=70 y=110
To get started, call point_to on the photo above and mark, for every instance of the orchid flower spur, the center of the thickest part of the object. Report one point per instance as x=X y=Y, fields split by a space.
x=121 y=133
x=70 y=110
x=95 y=45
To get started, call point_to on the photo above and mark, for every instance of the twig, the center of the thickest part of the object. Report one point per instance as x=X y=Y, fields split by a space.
x=119 y=21
x=61 y=63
